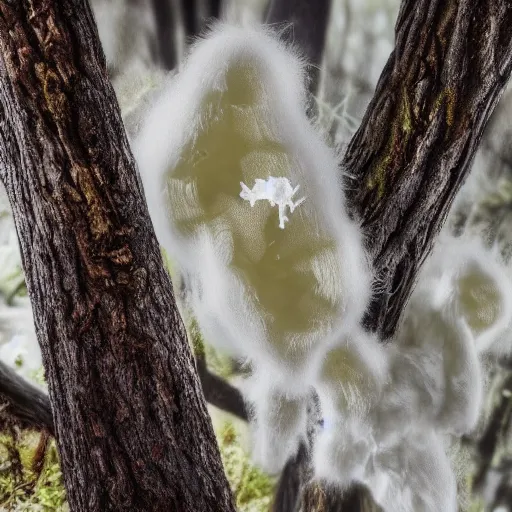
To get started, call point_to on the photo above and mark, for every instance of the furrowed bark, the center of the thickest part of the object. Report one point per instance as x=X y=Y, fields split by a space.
x=28 y=405
x=309 y=20
x=417 y=141
x=131 y=423
x=31 y=407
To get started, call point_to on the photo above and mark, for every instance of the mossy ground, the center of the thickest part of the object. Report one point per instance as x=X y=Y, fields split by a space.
x=30 y=476
x=26 y=488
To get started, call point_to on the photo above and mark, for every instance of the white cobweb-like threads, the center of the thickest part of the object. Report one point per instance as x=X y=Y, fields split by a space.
x=413 y=475
x=279 y=421
x=463 y=273
x=436 y=376
x=342 y=451
x=275 y=290
x=275 y=190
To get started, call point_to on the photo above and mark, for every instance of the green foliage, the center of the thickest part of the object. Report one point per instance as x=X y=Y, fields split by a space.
x=252 y=489
x=22 y=485
x=30 y=490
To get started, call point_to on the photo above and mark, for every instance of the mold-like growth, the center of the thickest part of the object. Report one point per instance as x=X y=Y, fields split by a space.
x=413 y=475
x=235 y=114
x=279 y=422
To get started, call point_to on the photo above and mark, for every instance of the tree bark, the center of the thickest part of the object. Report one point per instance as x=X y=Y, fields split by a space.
x=309 y=20
x=417 y=140
x=31 y=407
x=130 y=420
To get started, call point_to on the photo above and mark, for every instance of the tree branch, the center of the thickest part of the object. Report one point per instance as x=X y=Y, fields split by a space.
x=31 y=406
x=27 y=404
x=416 y=143
x=220 y=393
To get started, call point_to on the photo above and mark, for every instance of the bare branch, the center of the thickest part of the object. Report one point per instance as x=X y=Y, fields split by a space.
x=27 y=404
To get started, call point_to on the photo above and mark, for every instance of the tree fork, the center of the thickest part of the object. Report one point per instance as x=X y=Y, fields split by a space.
x=416 y=143
x=131 y=423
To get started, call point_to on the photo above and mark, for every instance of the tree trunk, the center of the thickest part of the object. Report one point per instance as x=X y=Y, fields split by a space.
x=416 y=143
x=165 y=30
x=417 y=140
x=131 y=423
x=309 y=20
x=190 y=18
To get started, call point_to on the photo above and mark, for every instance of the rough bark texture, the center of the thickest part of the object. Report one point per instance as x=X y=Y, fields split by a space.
x=308 y=26
x=419 y=135
x=131 y=423
x=416 y=144
x=28 y=405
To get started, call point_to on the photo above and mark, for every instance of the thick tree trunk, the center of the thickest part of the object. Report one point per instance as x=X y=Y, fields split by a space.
x=30 y=407
x=131 y=423
x=417 y=141
x=309 y=20
x=420 y=133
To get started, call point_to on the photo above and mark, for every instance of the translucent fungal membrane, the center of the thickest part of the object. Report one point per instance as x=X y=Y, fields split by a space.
x=267 y=283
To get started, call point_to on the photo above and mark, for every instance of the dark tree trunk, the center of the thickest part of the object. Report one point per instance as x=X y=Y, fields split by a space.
x=295 y=476
x=197 y=14
x=309 y=20
x=418 y=138
x=214 y=8
x=28 y=405
x=130 y=419
x=165 y=30
x=190 y=17
x=420 y=133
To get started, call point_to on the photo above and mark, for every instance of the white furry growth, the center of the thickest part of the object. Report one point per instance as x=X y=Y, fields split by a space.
x=236 y=114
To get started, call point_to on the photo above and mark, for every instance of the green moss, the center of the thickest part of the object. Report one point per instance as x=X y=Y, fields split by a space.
x=401 y=131
x=196 y=338
x=446 y=98
x=29 y=490
x=252 y=489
